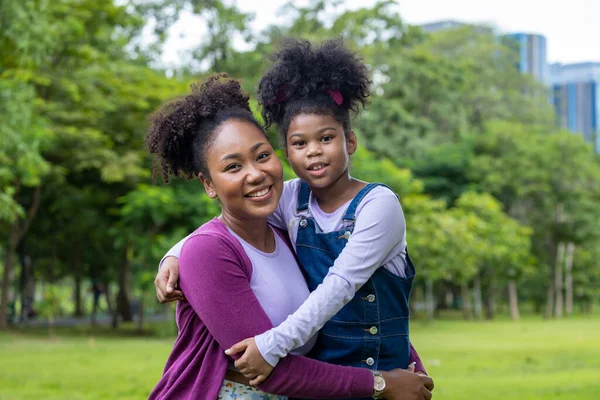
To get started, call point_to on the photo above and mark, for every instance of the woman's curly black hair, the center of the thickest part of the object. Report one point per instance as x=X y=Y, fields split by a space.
x=301 y=77
x=181 y=130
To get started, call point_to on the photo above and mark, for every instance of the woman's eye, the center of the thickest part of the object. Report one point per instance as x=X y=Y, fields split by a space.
x=264 y=156
x=232 y=167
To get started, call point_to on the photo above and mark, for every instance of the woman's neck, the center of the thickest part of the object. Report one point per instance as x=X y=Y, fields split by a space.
x=255 y=232
x=337 y=194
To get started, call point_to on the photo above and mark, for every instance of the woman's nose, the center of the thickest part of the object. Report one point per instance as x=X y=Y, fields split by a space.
x=255 y=175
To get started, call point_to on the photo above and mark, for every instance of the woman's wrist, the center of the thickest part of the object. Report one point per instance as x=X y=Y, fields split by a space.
x=380 y=387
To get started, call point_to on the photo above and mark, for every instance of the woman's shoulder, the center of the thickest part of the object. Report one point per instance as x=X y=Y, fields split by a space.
x=211 y=237
x=212 y=244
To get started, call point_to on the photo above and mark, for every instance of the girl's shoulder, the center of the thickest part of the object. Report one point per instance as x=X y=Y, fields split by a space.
x=379 y=190
x=292 y=185
x=380 y=196
x=290 y=192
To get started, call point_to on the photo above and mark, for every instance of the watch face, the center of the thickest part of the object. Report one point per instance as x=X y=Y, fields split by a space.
x=379 y=383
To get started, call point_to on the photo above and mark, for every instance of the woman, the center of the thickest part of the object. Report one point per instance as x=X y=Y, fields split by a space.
x=239 y=274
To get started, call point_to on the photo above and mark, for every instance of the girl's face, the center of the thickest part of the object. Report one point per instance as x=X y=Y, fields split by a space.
x=318 y=149
x=245 y=173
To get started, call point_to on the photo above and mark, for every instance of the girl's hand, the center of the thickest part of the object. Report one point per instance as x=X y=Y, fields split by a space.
x=411 y=368
x=402 y=384
x=166 y=281
x=251 y=364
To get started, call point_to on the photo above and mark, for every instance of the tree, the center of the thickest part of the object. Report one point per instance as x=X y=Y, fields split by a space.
x=546 y=180
x=504 y=250
x=81 y=97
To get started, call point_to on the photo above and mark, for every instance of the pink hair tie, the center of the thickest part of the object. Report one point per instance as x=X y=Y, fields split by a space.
x=281 y=94
x=336 y=96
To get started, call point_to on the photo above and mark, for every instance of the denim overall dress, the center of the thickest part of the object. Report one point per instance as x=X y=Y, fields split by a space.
x=371 y=331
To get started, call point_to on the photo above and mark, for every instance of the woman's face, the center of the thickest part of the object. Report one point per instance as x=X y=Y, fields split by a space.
x=245 y=173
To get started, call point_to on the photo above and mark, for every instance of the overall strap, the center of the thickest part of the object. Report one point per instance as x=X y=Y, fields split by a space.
x=303 y=197
x=350 y=215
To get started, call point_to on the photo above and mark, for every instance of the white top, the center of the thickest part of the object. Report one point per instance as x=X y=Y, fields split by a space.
x=378 y=239
x=277 y=283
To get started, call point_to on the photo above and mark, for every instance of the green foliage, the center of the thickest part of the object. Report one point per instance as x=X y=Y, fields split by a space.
x=489 y=187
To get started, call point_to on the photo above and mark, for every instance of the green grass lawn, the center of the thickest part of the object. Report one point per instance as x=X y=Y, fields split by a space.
x=531 y=359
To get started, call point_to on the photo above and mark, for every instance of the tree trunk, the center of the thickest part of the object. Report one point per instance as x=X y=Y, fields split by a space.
x=123 y=304
x=6 y=277
x=490 y=300
x=25 y=283
x=114 y=311
x=550 y=297
x=477 y=298
x=140 y=327
x=77 y=274
x=513 y=300
x=569 y=278
x=558 y=281
x=77 y=294
x=466 y=301
x=429 y=300
x=96 y=293
x=558 y=253
x=16 y=235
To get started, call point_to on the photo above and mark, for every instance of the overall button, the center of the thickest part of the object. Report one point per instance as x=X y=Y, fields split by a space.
x=371 y=298
x=373 y=330
x=303 y=223
x=347 y=235
x=370 y=361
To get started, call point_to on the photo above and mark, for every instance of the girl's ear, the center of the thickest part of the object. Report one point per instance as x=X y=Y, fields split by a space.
x=351 y=142
x=208 y=185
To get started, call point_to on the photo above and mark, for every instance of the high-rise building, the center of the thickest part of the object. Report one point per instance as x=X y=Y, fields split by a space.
x=576 y=93
x=575 y=88
x=532 y=55
x=441 y=25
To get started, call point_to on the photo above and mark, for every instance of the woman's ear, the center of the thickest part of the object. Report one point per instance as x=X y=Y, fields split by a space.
x=208 y=185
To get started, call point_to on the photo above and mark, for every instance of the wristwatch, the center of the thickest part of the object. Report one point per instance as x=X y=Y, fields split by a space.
x=378 y=384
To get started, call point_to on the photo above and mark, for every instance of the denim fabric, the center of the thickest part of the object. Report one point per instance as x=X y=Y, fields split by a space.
x=371 y=331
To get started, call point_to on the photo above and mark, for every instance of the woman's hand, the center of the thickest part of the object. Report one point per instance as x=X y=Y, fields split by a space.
x=403 y=384
x=251 y=363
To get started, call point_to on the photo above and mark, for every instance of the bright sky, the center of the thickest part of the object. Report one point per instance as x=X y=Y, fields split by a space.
x=572 y=28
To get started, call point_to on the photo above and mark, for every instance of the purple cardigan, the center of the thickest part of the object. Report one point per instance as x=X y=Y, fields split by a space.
x=221 y=310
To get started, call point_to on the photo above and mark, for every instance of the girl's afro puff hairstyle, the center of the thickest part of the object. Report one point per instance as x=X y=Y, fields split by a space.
x=302 y=77
x=181 y=130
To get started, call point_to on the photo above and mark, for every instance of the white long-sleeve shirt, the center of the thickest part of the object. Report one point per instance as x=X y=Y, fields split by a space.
x=378 y=239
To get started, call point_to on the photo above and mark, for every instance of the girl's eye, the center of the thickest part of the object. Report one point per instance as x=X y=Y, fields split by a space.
x=299 y=143
x=326 y=138
x=264 y=156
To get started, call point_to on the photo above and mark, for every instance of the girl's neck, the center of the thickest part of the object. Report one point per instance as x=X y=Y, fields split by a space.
x=255 y=232
x=337 y=194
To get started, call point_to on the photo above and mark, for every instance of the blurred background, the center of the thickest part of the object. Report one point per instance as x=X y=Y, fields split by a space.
x=485 y=118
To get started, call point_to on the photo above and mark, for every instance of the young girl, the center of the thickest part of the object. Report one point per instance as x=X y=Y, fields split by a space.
x=239 y=273
x=348 y=235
